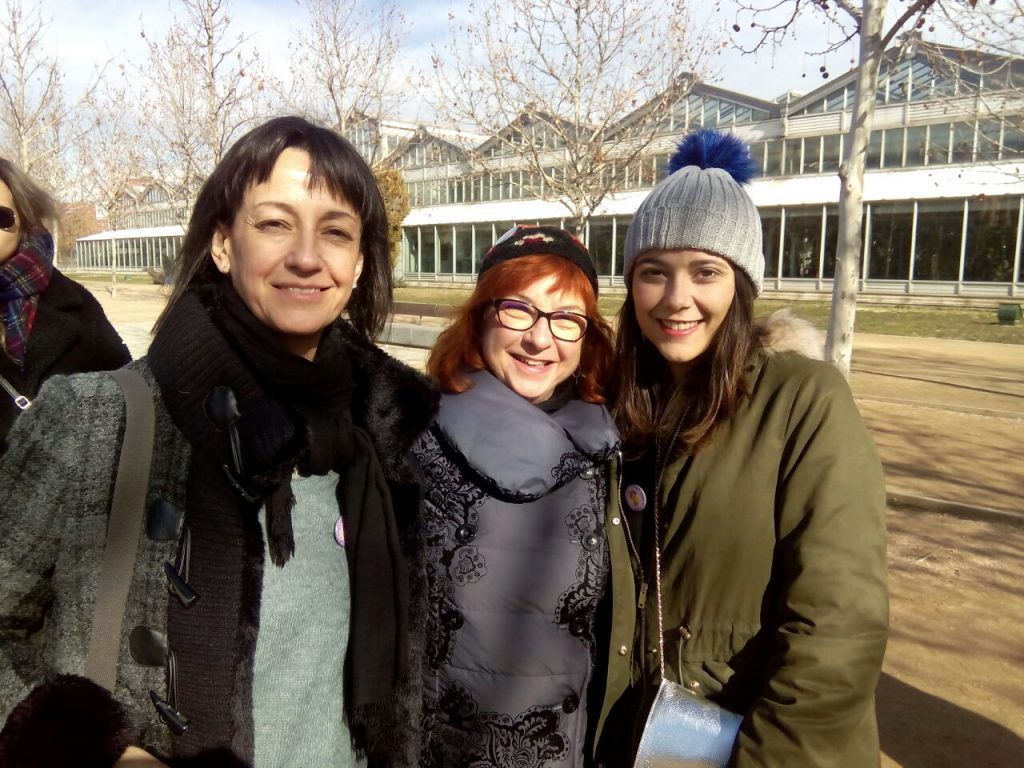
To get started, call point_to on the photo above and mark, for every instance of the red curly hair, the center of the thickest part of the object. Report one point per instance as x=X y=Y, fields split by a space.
x=458 y=349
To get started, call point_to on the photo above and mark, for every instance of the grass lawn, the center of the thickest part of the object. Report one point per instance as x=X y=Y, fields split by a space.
x=132 y=278
x=966 y=323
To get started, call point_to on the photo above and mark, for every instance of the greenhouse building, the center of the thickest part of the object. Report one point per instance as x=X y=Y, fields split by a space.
x=943 y=193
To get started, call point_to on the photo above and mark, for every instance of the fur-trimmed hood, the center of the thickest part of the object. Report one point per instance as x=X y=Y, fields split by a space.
x=783 y=331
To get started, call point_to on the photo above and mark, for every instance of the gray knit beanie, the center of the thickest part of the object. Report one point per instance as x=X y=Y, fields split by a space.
x=702 y=206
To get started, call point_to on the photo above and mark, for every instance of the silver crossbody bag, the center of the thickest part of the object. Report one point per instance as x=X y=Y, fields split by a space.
x=682 y=729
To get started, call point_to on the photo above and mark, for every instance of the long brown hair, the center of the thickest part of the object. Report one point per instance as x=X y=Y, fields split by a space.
x=458 y=349
x=649 y=405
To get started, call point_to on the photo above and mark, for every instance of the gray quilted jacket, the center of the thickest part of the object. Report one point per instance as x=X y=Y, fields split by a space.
x=517 y=561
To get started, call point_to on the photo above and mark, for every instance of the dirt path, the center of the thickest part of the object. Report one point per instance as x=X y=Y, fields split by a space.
x=952 y=688
x=942 y=454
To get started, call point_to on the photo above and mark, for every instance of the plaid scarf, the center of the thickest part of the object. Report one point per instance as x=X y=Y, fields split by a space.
x=23 y=277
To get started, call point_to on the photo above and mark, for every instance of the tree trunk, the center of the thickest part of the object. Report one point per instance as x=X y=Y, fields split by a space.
x=839 y=340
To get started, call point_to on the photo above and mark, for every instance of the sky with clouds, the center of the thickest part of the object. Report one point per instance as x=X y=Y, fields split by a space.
x=83 y=35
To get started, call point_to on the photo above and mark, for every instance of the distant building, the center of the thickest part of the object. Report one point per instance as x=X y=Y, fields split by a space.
x=77 y=219
x=146 y=235
x=944 y=191
x=943 y=194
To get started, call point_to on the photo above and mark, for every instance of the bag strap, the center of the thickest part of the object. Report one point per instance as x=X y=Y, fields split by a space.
x=124 y=527
x=19 y=399
x=660 y=476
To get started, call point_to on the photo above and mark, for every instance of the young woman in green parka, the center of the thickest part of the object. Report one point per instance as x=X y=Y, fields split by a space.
x=752 y=473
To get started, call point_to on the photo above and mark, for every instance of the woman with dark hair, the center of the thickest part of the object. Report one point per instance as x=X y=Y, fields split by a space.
x=48 y=323
x=750 y=564
x=271 y=592
x=515 y=466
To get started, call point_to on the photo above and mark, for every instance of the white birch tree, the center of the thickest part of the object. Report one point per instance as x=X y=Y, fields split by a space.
x=865 y=22
x=550 y=82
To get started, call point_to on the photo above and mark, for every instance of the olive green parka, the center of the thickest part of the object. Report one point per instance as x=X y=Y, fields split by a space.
x=773 y=577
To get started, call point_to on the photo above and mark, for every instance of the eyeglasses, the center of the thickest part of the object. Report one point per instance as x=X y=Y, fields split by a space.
x=521 y=316
x=7 y=217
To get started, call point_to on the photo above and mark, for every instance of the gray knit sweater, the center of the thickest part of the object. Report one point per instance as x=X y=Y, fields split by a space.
x=299 y=661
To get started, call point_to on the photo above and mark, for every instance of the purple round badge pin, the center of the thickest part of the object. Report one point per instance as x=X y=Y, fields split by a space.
x=636 y=499
x=339 y=532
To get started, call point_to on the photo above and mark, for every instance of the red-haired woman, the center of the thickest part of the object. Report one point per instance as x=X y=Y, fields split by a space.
x=514 y=512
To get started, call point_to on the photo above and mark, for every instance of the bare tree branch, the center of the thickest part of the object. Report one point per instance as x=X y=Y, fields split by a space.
x=343 y=64
x=917 y=8
x=773 y=22
x=998 y=27
x=203 y=87
x=39 y=122
x=550 y=82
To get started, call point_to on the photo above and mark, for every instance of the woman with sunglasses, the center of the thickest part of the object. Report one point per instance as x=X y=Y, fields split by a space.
x=514 y=510
x=48 y=323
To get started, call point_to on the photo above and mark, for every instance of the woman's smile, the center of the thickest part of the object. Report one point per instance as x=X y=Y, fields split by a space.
x=532 y=363
x=679 y=327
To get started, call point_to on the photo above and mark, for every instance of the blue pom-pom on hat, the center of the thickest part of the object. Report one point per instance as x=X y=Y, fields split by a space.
x=714 y=149
x=702 y=206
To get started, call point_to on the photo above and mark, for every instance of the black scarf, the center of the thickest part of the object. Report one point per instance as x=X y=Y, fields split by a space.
x=294 y=413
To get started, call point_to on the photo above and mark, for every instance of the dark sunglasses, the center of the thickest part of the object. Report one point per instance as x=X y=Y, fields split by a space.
x=520 y=316
x=7 y=217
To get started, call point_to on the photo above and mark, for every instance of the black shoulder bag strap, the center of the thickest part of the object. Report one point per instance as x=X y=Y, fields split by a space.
x=123 y=529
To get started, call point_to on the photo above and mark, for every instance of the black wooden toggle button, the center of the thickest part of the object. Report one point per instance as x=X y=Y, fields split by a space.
x=147 y=646
x=458 y=711
x=172 y=718
x=221 y=407
x=163 y=520
x=179 y=587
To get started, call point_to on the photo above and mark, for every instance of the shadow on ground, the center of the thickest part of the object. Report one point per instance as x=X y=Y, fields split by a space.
x=919 y=730
x=952 y=688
